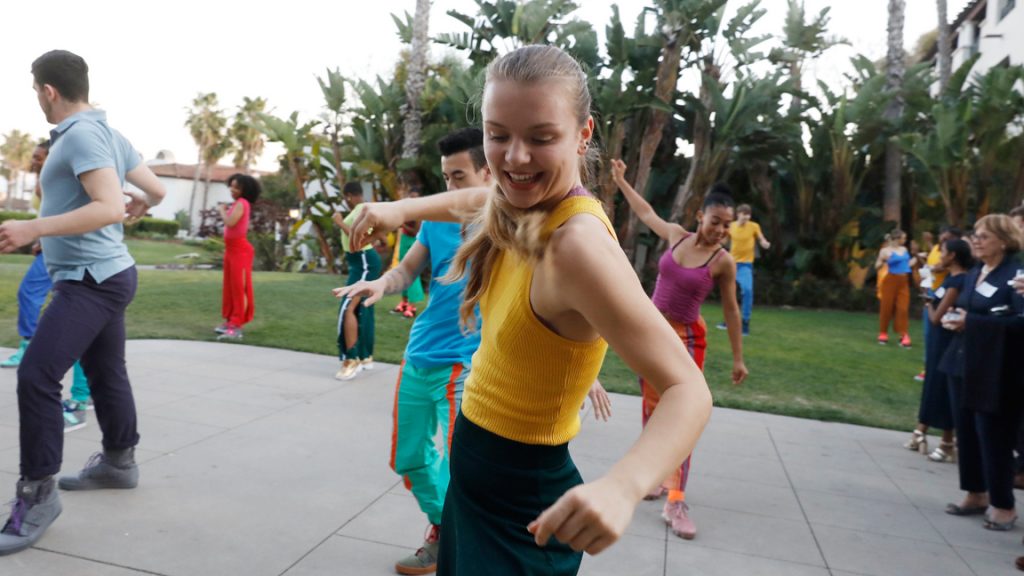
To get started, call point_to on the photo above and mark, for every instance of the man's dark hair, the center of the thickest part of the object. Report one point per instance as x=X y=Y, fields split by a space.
x=719 y=195
x=44 y=144
x=66 y=72
x=952 y=231
x=250 y=186
x=352 y=188
x=466 y=140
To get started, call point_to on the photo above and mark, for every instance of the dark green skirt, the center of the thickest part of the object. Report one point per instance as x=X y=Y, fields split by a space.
x=498 y=486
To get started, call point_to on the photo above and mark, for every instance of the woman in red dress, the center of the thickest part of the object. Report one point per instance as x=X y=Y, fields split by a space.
x=238 y=304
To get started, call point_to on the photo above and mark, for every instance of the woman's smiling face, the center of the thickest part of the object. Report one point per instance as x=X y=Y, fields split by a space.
x=533 y=140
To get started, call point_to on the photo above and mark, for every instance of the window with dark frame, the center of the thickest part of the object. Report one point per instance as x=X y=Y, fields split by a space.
x=1006 y=7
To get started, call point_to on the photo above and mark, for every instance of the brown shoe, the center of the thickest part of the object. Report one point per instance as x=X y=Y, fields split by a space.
x=1018 y=481
x=1019 y=563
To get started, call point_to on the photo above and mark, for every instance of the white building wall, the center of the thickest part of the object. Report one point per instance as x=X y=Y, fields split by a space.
x=179 y=193
x=998 y=40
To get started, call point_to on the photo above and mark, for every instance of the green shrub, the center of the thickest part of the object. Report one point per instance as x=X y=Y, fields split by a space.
x=184 y=222
x=146 y=227
x=11 y=215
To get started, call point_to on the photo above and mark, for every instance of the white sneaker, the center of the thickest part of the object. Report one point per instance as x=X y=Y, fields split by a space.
x=348 y=370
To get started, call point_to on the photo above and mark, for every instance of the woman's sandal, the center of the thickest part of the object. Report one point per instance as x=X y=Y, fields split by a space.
x=918 y=442
x=1000 y=526
x=945 y=452
x=958 y=510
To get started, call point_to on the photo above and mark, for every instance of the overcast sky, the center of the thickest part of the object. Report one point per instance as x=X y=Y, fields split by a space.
x=148 y=61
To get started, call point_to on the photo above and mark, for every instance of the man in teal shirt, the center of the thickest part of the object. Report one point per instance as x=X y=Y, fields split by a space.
x=438 y=355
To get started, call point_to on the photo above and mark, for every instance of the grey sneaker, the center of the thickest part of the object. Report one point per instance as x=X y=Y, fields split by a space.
x=35 y=507
x=424 y=560
x=105 y=470
x=231 y=333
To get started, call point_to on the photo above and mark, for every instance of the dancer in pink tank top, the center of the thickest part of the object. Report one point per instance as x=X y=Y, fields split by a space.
x=687 y=272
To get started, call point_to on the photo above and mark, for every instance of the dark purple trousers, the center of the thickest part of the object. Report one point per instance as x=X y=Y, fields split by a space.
x=85 y=320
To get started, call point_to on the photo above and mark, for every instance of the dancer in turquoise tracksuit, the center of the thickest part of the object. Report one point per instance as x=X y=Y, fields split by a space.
x=32 y=292
x=437 y=358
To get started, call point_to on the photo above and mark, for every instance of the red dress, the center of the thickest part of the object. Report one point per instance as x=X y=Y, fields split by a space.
x=238 y=305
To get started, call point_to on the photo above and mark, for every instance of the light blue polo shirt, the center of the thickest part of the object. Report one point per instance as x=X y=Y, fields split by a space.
x=82 y=143
x=436 y=339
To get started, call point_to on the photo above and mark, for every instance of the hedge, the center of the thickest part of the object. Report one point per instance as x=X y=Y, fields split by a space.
x=147 y=226
x=10 y=215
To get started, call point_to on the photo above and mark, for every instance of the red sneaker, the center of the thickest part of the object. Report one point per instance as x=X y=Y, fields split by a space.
x=905 y=341
x=883 y=338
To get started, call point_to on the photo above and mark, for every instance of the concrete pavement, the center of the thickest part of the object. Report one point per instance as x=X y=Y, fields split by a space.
x=256 y=462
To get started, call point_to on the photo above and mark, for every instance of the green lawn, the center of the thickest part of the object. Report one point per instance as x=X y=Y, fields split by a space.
x=152 y=252
x=815 y=364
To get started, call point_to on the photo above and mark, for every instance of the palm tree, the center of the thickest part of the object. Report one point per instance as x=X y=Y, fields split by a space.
x=895 y=67
x=211 y=156
x=247 y=140
x=17 y=158
x=502 y=25
x=416 y=77
x=299 y=142
x=206 y=123
x=703 y=168
x=945 y=46
x=333 y=90
x=802 y=40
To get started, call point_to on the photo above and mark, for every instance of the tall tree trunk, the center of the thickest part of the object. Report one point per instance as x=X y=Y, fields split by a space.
x=606 y=190
x=192 y=197
x=10 y=188
x=1018 y=189
x=664 y=90
x=415 y=81
x=945 y=55
x=701 y=145
x=763 y=182
x=895 y=65
x=206 y=186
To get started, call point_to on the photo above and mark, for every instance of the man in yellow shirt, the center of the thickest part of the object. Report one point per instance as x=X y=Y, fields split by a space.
x=742 y=233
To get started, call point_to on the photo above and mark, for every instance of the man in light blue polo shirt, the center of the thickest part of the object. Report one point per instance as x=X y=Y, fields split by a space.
x=94 y=281
x=438 y=355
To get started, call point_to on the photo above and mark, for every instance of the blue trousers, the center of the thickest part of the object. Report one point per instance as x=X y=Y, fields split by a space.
x=32 y=292
x=745 y=278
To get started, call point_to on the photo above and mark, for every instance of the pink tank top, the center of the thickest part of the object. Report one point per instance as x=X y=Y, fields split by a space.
x=679 y=291
x=239 y=230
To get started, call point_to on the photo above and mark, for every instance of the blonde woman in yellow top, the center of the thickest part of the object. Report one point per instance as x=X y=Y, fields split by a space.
x=554 y=290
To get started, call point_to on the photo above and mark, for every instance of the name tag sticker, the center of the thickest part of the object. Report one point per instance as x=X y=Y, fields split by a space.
x=940 y=293
x=986 y=290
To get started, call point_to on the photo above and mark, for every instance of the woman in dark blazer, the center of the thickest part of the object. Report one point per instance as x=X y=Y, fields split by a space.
x=986 y=376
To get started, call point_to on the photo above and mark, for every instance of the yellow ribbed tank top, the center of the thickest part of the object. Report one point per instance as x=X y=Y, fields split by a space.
x=528 y=383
